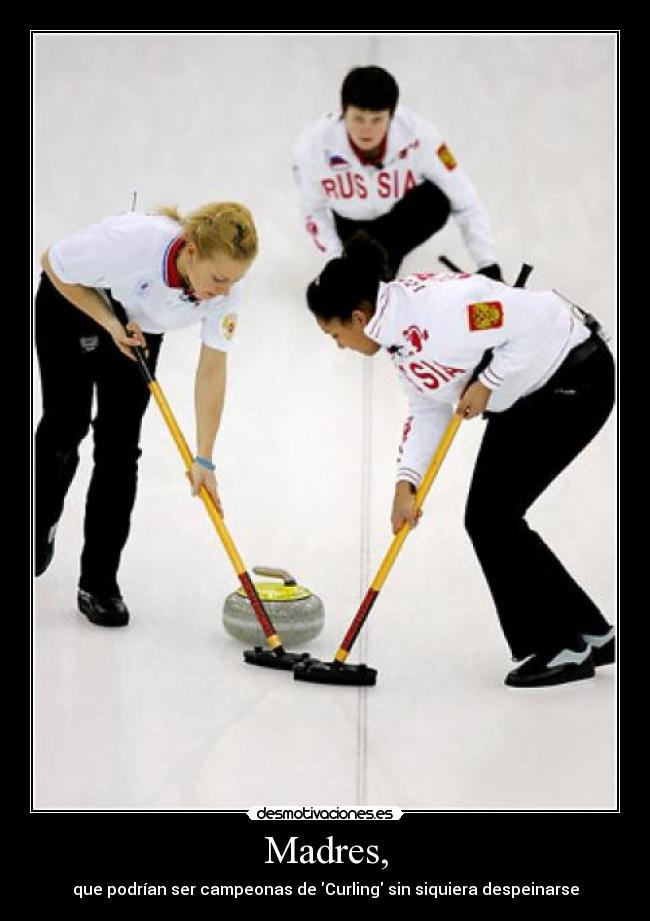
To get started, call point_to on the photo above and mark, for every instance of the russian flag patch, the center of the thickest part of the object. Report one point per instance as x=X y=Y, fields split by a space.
x=485 y=315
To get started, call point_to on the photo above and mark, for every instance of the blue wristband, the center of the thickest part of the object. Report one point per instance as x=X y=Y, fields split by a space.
x=204 y=462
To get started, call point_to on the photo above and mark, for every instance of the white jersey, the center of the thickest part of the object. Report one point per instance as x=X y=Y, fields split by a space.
x=331 y=177
x=436 y=329
x=134 y=257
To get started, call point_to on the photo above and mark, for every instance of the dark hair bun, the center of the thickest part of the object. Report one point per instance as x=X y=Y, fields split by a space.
x=367 y=256
x=350 y=281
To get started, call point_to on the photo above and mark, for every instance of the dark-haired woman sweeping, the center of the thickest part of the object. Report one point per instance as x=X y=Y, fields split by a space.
x=546 y=389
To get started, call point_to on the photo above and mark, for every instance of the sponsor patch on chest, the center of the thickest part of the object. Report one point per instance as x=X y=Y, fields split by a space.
x=485 y=315
x=229 y=325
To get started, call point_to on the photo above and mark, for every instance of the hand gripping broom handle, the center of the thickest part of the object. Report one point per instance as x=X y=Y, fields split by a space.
x=398 y=540
x=270 y=633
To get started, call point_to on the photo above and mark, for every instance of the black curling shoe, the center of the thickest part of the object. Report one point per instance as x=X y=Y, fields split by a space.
x=603 y=648
x=604 y=655
x=559 y=668
x=103 y=610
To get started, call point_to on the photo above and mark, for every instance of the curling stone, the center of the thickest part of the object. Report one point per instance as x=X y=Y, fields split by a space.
x=297 y=614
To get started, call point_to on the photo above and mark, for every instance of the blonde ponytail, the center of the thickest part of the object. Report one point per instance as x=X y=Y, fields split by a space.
x=219 y=227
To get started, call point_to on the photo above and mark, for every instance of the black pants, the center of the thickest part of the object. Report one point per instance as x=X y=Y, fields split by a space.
x=417 y=216
x=76 y=359
x=540 y=606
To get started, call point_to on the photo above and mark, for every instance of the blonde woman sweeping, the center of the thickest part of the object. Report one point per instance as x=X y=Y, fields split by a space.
x=123 y=282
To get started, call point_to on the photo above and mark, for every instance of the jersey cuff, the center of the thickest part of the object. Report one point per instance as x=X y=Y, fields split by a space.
x=407 y=473
x=490 y=379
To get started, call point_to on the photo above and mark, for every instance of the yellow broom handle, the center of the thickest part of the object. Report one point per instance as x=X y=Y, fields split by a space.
x=188 y=459
x=420 y=496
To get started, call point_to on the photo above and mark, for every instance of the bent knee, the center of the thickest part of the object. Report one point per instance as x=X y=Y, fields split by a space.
x=60 y=433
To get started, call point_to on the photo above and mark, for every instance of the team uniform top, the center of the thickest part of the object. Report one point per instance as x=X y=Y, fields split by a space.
x=333 y=176
x=134 y=257
x=436 y=329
